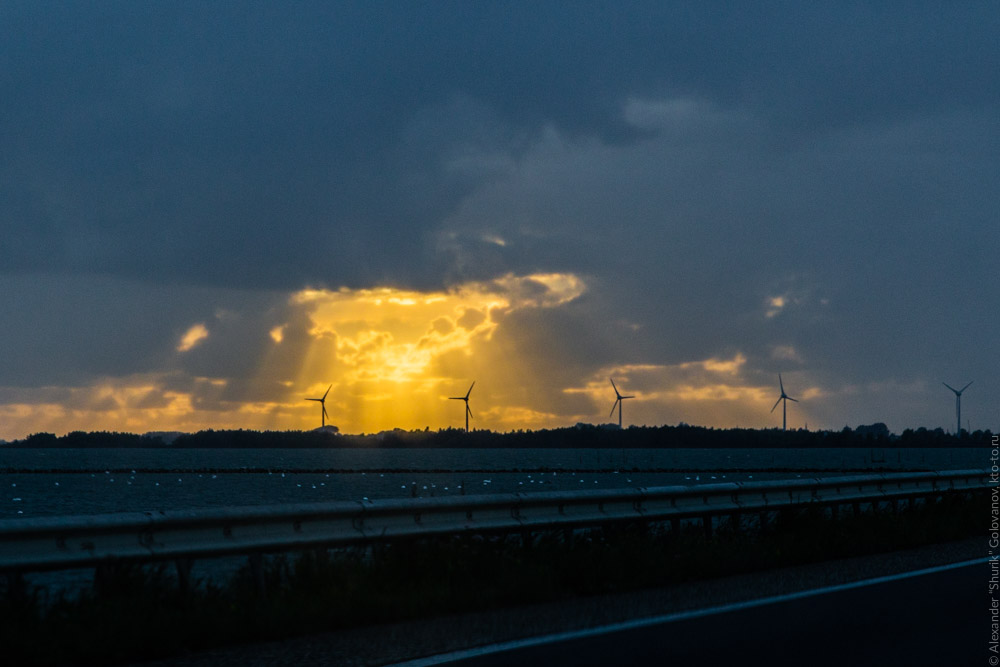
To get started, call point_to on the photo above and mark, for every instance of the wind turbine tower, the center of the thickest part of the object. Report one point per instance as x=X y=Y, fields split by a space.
x=958 y=406
x=468 y=412
x=618 y=403
x=322 y=402
x=784 y=408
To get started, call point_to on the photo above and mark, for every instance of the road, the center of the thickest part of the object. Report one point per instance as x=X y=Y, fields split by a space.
x=936 y=616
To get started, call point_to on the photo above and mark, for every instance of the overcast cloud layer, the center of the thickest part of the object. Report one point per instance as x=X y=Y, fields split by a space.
x=731 y=191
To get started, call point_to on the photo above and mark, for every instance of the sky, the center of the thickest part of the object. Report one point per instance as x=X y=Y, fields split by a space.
x=213 y=211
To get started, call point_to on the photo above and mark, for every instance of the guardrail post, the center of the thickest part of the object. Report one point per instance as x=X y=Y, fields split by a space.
x=107 y=576
x=527 y=538
x=183 y=566
x=17 y=587
x=256 y=562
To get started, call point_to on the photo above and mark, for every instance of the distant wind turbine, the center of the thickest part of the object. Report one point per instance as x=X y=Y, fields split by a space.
x=468 y=412
x=618 y=403
x=322 y=402
x=784 y=408
x=958 y=406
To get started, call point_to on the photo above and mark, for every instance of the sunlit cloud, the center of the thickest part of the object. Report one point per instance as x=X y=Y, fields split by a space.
x=395 y=335
x=261 y=408
x=812 y=393
x=495 y=240
x=785 y=353
x=775 y=305
x=25 y=415
x=717 y=392
x=798 y=292
x=192 y=337
x=130 y=404
x=215 y=382
x=726 y=366
x=541 y=290
x=395 y=356
x=598 y=386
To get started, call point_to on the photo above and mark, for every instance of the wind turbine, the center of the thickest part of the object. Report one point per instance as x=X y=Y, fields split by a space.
x=618 y=403
x=322 y=402
x=958 y=406
x=468 y=412
x=784 y=408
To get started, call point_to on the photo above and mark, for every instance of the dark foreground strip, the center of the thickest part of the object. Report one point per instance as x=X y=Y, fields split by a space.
x=932 y=616
x=418 y=471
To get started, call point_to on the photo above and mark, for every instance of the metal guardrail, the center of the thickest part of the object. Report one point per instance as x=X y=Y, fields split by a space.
x=50 y=543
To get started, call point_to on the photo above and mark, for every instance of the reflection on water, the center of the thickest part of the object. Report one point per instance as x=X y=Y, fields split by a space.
x=90 y=481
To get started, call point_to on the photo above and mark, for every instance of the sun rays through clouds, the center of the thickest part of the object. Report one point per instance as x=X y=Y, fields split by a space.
x=393 y=354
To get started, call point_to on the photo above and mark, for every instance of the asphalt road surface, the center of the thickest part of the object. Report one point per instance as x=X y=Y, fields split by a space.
x=937 y=616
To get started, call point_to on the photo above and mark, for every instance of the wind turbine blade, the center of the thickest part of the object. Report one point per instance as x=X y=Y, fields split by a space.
x=776 y=403
x=469 y=410
x=781 y=384
x=965 y=387
x=613 y=408
x=319 y=400
x=327 y=391
x=456 y=398
x=792 y=399
x=615 y=386
x=950 y=387
x=325 y=413
x=624 y=397
x=470 y=390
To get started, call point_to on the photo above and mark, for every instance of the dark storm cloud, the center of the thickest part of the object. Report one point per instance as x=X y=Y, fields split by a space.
x=859 y=254
x=809 y=189
x=267 y=145
x=69 y=329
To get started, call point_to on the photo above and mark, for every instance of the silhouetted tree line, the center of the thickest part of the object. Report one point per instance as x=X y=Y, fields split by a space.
x=580 y=436
x=81 y=439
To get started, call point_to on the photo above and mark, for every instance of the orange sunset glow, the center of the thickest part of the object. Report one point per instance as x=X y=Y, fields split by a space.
x=393 y=358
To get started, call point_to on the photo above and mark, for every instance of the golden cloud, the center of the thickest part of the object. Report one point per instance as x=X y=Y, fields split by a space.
x=394 y=356
x=192 y=337
x=710 y=392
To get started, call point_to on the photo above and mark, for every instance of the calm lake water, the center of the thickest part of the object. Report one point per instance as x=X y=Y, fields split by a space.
x=40 y=482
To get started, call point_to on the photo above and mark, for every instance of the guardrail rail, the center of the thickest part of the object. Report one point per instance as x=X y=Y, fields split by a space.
x=64 y=542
